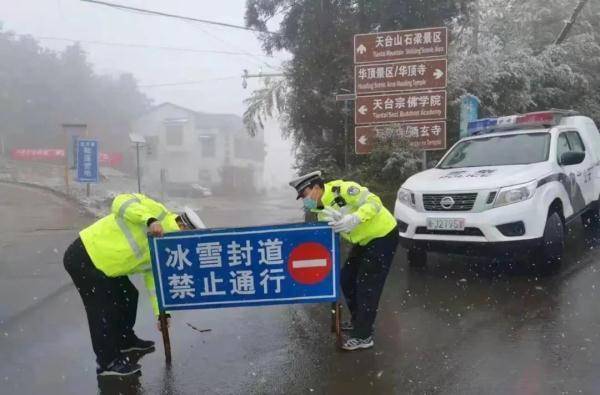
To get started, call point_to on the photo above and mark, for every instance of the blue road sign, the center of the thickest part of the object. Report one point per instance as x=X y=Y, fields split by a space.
x=266 y=265
x=87 y=160
x=469 y=111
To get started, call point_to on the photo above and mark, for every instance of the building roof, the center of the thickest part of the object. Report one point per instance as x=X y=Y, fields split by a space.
x=207 y=120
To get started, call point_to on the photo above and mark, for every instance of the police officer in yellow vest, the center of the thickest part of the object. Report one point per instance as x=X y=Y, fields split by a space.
x=99 y=262
x=361 y=219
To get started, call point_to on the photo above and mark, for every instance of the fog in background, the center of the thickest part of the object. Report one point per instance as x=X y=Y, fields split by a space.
x=205 y=82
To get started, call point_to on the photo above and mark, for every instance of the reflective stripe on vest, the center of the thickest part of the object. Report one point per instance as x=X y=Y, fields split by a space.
x=126 y=232
x=162 y=216
x=363 y=200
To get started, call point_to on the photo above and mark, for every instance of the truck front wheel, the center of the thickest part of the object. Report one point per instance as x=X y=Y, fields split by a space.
x=547 y=257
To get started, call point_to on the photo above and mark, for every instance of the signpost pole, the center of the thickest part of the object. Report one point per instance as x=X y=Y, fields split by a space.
x=346 y=112
x=346 y=98
x=138 y=140
x=164 y=329
x=66 y=162
x=87 y=185
x=137 y=156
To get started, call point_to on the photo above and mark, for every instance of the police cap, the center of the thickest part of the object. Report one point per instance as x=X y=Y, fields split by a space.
x=302 y=182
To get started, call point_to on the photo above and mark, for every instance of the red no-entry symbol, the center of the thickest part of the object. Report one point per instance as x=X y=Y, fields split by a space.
x=309 y=263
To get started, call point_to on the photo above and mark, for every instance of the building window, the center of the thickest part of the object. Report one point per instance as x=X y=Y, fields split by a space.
x=208 y=145
x=174 y=134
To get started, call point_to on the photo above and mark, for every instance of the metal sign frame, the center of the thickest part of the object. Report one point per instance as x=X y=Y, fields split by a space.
x=157 y=265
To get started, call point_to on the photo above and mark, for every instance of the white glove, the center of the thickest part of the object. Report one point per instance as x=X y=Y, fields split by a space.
x=331 y=214
x=346 y=224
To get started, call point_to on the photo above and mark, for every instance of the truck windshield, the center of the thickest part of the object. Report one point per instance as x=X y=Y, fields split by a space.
x=515 y=149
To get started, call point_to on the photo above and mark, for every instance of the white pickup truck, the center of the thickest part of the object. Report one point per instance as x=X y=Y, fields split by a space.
x=512 y=186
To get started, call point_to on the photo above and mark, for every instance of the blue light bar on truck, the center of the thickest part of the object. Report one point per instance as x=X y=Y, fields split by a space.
x=540 y=118
x=480 y=125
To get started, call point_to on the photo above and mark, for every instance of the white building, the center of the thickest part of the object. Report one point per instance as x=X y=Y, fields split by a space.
x=187 y=146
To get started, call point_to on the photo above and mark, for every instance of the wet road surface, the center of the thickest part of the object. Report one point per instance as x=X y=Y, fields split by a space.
x=463 y=326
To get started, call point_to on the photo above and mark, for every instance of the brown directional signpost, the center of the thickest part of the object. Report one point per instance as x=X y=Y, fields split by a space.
x=401 y=45
x=400 y=76
x=400 y=107
x=400 y=79
x=419 y=135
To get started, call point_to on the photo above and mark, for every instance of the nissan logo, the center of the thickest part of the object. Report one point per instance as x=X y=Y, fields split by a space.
x=447 y=202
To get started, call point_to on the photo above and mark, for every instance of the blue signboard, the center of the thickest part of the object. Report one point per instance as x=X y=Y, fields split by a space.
x=469 y=111
x=266 y=265
x=87 y=160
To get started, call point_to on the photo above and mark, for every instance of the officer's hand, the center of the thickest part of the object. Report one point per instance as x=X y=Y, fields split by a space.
x=168 y=324
x=346 y=224
x=155 y=229
x=331 y=215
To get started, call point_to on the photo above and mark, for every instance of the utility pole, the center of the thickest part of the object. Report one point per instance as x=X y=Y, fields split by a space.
x=569 y=25
x=139 y=141
x=475 y=16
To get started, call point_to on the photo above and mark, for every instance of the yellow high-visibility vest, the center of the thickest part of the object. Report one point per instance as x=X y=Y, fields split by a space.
x=352 y=198
x=118 y=243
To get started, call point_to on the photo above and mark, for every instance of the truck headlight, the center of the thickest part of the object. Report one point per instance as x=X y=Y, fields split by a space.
x=406 y=197
x=515 y=194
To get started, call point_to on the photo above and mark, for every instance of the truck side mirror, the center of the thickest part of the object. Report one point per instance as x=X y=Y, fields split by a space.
x=571 y=158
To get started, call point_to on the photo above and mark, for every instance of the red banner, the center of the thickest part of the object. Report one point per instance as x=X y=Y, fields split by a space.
x=112 y=159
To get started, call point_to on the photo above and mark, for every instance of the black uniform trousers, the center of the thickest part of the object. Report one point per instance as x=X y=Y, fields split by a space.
x=110 y=304
x=363 y=277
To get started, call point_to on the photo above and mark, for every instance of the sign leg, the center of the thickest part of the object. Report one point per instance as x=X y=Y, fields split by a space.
x=338 y=323
x=333 y=311
x=164 y=329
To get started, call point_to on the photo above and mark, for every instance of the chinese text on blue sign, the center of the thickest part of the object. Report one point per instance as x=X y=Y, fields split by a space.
x=283 y=264
x=87 y=160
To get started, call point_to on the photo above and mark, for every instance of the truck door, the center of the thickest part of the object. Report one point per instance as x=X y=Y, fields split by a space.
x=579 y=182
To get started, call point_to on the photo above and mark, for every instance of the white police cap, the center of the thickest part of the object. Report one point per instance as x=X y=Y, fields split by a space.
x=191 y=219
x=304 y=181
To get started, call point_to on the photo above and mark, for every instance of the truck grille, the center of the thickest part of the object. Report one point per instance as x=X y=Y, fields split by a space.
x=462 y=202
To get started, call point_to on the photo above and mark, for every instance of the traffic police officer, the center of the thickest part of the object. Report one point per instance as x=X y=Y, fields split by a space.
x=361 y=219
x=99 y=262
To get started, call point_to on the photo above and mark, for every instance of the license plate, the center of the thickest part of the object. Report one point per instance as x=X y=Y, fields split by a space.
x=445 y=224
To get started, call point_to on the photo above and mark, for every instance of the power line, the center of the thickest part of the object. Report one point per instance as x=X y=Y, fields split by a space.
x=134 y=45
x=150 y=12
x=254 y=57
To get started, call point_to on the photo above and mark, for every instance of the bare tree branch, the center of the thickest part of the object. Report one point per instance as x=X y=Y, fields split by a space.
x=569 y=25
